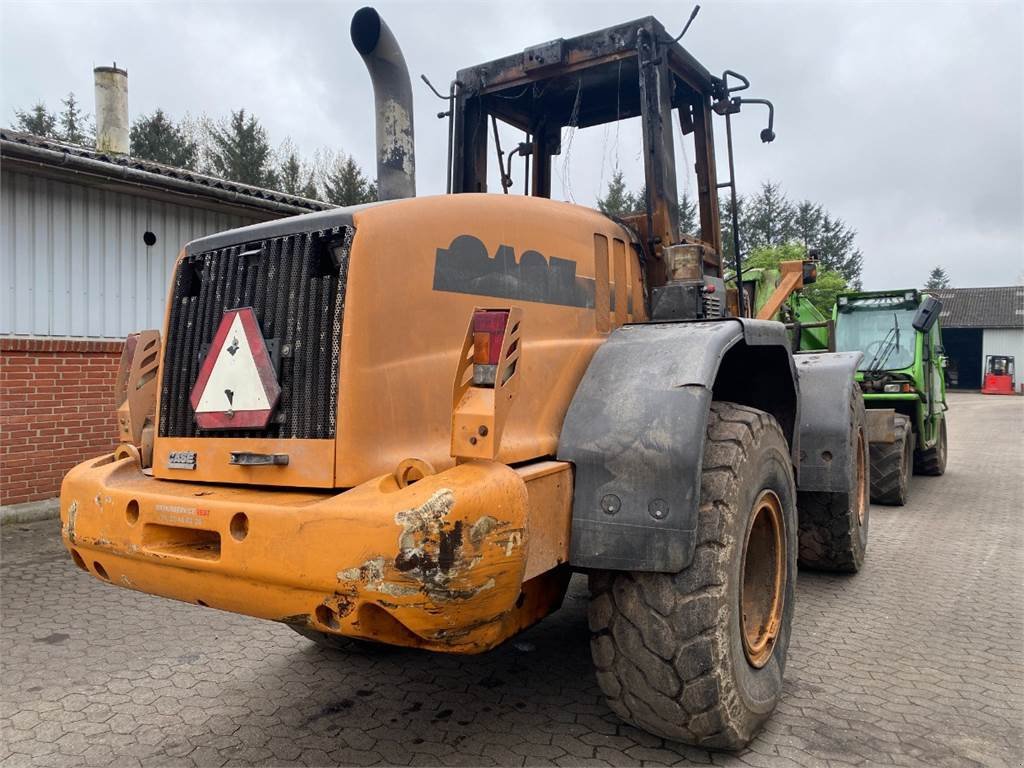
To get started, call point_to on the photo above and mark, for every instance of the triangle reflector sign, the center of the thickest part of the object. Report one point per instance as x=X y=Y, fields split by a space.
x=237 y=387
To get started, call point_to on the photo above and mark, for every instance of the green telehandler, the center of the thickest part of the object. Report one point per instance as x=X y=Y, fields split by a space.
x=902 y=378
x=901 y=371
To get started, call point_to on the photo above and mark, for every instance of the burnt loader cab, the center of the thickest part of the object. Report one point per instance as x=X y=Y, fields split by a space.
x=410 y=422
x=627 y=71
x=631 y=70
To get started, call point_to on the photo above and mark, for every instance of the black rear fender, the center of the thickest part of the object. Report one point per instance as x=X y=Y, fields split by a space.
x=635 y=432
x=826 y=386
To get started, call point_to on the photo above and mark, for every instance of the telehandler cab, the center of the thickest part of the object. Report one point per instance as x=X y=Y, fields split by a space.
x=409 y=422
x=902 y=377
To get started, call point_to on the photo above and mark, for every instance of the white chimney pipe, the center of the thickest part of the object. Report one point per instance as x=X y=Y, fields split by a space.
x=111 y=110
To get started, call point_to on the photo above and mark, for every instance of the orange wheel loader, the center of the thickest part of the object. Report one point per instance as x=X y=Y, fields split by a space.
x=410 y=422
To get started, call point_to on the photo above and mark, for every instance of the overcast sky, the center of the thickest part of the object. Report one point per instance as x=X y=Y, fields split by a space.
x=905 y=120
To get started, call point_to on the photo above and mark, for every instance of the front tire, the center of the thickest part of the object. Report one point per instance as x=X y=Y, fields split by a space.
x=834 y=526
x=891 y=466
x=932 y=461
x=698 y=656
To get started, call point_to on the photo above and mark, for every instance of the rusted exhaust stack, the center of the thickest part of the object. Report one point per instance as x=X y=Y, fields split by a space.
x=392 y=93
x=111 y=109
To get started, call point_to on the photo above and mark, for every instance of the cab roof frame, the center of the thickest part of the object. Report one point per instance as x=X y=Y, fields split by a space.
x=623 y=71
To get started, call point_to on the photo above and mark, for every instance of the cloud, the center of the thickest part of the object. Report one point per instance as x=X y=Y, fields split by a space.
x=903 y=119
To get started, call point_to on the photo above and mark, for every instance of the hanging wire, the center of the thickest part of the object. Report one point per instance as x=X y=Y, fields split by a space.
x=573 y=126
x=514 y=97
x=688 y=169
x=604 y=158
x=618 y=111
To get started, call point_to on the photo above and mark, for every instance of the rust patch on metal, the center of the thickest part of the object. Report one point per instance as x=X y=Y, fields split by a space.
x=480 y=529
x=340 y=604
x=69 y=528
x=428 y=544
x=436 y=556
x=430 y=550
x=763 y=577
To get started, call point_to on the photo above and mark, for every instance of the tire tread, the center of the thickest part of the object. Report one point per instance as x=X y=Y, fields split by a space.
x=889 y=470
x=686 y=697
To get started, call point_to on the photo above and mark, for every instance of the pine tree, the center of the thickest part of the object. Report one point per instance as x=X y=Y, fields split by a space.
x=37 y=120
x=618 y=201
x=937 y=279
x=345 y=184
x=295 y=175
x=837 y=251
x=768 y=218
x=74 y=127
x=725 y=223
x=290 y=174
x=238 y=150
x=155 y=137
x=807 y=224
x=688 y=224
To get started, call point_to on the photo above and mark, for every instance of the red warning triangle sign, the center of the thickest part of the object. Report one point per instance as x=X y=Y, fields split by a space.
x=237 y=387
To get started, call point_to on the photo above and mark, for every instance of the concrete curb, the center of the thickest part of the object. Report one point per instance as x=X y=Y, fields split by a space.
x=30 y=511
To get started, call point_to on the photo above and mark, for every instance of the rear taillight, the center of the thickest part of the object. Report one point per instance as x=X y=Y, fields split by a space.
x=488 y=335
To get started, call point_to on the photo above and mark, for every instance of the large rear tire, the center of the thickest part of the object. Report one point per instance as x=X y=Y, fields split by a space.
x=698 y=656
x=891 y=466
x=932 y=461
x=834 y=526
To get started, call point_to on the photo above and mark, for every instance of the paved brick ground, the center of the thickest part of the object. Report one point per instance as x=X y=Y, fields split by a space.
x=917 y=661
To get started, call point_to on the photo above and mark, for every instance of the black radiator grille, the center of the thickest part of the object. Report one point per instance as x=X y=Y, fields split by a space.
x=296 y=286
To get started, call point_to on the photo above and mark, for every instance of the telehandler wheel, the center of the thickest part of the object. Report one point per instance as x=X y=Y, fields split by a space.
x=698 y=656
x=891 y=466
x=932 y=461
x=834 y=526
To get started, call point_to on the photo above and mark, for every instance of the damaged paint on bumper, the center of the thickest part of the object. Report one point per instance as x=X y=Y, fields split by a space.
x=439 y=564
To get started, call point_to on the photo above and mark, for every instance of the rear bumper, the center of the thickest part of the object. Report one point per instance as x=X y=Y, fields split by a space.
x=441 y=564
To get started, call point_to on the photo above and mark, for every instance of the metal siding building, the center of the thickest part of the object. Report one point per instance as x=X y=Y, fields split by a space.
x=76 y=277
x=1006 y=341
x=977 y=322
x=74 y=263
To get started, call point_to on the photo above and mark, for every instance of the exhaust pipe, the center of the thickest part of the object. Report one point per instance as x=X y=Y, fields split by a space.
x=392 y=94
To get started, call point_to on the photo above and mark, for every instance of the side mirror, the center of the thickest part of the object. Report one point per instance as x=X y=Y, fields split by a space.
x=927 y=314
x=943 y=362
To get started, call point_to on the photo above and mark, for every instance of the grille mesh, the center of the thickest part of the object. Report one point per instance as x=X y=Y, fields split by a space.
x=296 y=287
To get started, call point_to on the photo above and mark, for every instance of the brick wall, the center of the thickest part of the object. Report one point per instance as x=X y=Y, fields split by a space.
x=56 y=410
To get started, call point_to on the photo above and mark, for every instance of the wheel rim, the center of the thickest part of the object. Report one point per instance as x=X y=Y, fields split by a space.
x=862 y=473
x=763 y=576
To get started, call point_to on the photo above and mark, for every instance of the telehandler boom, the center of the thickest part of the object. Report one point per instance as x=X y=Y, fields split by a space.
x=410 y=422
